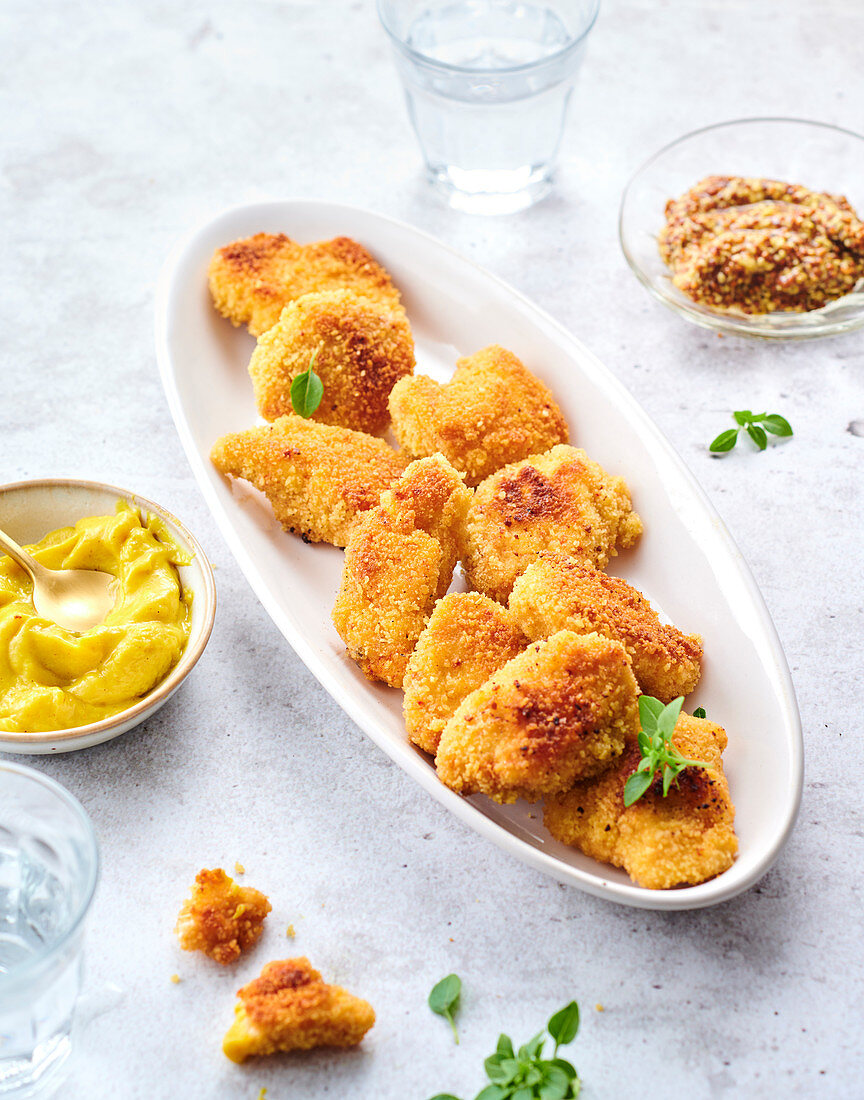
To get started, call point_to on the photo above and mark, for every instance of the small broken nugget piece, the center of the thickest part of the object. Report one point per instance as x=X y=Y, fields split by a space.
x=221 y=918
x=558 y=501
x=252 y=280
x=290 y=1008
x=318 y=478
x=557 y=592
x=560 y=711
x=361 y=350
x=399 y=560
x=493 y=411
x=467 y=639
x=682 y=839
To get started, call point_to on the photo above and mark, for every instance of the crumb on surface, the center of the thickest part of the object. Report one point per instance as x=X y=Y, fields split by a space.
x=221 y=918
x=599 y=1007
x=176 y=979
x=289 y=932
x=290 y=1007
x=239 y=869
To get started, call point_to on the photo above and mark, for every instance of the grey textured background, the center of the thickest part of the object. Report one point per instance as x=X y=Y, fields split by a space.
x=126 y=123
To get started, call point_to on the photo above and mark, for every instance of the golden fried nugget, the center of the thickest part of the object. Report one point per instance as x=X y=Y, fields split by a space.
x=558 y=712
x=221 y=918
x=399 y=560
x=254 y=279
x=319 y=479
x=493 y=411
x=290 y=1008
x=468 y=638
x=361 y=350
x=682 y=839
x=561 y=593
x=559 y=501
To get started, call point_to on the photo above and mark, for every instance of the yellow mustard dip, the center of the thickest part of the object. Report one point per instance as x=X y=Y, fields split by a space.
x=52 y=679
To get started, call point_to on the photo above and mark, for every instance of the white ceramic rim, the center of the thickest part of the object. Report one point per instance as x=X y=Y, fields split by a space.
x=190 y=655
x=734 y=324
x=405 y=756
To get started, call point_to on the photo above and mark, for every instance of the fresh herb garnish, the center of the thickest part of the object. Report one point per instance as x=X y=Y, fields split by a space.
x=444 y=1000
x=524 y=1074
x=307 y=389
x=756 y=425
x=658 y=754
x=699 y=712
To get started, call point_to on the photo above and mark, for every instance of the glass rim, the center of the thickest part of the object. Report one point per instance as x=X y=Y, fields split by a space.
x=446 y=66
x=36 y=963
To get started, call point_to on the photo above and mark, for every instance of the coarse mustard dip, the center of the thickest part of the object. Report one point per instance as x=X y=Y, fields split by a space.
x=52 y=679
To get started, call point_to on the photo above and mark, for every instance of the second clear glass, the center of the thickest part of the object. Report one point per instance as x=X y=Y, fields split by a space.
x=487 y=84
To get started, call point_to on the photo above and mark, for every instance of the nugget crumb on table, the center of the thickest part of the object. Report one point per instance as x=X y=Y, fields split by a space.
x=467 y=638
x=221 y=918
x=399 y=560
x=560 y=501
x=557 y=592
x=682 y=839
x=252 y=280
x=318 y=478
x=493 y=411
x=289 y=1007
x=561 y=710
x=361 y=349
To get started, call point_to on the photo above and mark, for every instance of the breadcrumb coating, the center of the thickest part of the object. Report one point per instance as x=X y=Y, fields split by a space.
x=361 y=350
x=399 y=560
x=683 y=839
x=290 y=1008
x=252 y=280
x=560 y=711
x=221 y=918
x=559 y=501
x=493 y=411
x=467 y=639
x=318 y=478
x=561 y=593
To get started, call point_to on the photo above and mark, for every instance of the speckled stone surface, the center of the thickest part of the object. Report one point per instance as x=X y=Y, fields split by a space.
x=123 y=125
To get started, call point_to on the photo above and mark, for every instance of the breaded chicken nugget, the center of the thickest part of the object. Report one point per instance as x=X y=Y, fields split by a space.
x=319 y=479
x=399 y=560
x=254 y=279
x=361 y=350
x=468 y=638
x=492 y=411
x=431 y=492
x=558 y=712
x=290 y=1008
x=561 y=593
x=684 y=838
x=559 y=501
x=221 y=918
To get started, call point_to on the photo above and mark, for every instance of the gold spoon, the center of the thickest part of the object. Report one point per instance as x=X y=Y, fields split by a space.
x=75 y=599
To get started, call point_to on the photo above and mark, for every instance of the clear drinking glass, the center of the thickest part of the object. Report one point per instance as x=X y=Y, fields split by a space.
x=487 y=84
x=48 y=869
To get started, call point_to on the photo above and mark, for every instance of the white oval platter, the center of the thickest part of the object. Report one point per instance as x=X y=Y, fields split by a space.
x=686 y=562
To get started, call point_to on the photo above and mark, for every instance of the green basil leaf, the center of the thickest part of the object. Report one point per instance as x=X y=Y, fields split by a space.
x=445 y=995
x=636 y=786
x=564 y=1025
x=307 y=389
x=505 y=1046
x=501 y=1070
x=725 y=441
x=667 y=720
x=650 y=710
x=492 y=1092
x=699 y=712
x=743 y=417
x=565 y=1067
x=443 y=1096
x=758 y=436
x=523 y=1093
x=776 y=424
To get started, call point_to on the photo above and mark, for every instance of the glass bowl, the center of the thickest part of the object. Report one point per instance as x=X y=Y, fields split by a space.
x=814 y=154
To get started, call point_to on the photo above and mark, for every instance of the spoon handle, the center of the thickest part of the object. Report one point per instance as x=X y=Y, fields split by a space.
x=11 y=547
